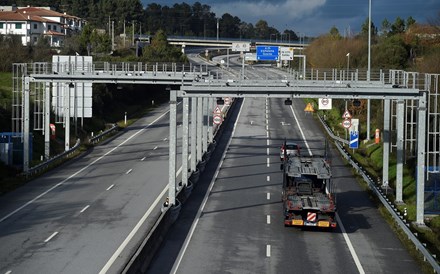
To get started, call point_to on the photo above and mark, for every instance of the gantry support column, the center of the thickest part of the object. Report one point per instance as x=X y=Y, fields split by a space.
x=199 y=127
x=172 y=149
x=205 y=125
x=210 y=114
x=26 y=104
x=67 y=88
x=185 y=141
x=386 y=140
x=421 y=145
x=47 y=132
x=193 y=133
x=400 y=149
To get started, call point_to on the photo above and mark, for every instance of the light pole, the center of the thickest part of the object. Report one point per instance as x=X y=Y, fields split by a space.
x=218 y=27
x=348 y=65
x=369 y=67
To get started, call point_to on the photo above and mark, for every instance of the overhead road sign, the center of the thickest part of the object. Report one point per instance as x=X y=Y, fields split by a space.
x=286 y=53
x=267 y=53
x=325 y=103
x=243 y=46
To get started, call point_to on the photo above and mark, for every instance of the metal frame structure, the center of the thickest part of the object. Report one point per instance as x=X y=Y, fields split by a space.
x=202 y=88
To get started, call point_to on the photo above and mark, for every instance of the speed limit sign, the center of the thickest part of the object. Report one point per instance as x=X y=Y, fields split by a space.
x=217 y=119
x=346 y=123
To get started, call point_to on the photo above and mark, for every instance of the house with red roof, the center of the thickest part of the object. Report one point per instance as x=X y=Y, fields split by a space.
x=32 y=23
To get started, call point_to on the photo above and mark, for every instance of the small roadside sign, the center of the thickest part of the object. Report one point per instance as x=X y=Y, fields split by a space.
x=309 y=108
x=217 y=110
x=286 y=53
x=346 y=115
x=354 y=139
x=346 y=123
x=228 y=101
x=217 y=119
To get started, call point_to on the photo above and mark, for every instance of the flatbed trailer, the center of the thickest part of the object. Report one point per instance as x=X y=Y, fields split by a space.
x=308 y=198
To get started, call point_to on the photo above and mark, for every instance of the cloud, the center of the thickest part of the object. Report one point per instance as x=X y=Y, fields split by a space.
x=256 y=10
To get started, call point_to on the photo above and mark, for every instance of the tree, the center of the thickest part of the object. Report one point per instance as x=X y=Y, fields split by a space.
x=398 y=26
x=409 y=22
x=262 y=30
x=391 y=53
x=160 y=51
x=334 y=33
x=364 y=29
x=386 y=26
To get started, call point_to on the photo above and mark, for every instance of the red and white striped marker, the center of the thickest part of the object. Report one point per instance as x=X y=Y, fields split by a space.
x=311 y=216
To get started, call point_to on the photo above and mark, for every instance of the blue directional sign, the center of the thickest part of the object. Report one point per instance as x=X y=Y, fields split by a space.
x=267 y=53
x=354 y=139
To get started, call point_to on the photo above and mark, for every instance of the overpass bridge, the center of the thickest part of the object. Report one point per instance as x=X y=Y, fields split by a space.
x=227 y=42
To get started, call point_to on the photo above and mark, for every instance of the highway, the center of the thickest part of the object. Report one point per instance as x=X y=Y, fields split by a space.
x=234 y=222
x=87 y=215
x=80 y=217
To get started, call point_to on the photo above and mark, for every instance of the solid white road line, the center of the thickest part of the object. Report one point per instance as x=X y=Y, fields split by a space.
x=346 y=238
x=8 y=272
x=85 y=208
x=135 y=229
x=130 y=170
x=110 y=187
x=301 y=131
x=350 y=246
x=205 y=199
x=267 y=250
x=51 y=236
x=82 y=169
x=143 y=159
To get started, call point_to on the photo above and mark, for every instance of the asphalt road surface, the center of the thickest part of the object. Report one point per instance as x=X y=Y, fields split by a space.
x=237 y=227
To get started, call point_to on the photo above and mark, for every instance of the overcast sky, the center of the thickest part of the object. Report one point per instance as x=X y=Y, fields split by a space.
x=315 y=17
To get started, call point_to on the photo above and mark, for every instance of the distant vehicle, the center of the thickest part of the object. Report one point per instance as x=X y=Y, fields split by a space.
x=289 y=148
x=308 y=193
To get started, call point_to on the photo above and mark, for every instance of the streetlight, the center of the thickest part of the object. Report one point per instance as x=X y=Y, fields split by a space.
x=348 y=65
x=369 y=67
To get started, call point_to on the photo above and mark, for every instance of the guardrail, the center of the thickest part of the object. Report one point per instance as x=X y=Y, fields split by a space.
x=385 y=201
x=58 y=158
x=54 y=160
x=98 y=137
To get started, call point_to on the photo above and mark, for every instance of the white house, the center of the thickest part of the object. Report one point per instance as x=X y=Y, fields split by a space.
x=32 y=23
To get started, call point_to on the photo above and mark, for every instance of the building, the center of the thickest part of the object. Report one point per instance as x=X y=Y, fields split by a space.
x=32 y=23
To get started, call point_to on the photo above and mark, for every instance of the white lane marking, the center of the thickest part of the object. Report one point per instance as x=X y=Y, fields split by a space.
x=132 y=233
x=268 y=219
x=143 y=159
x=268 y=196
x=166 y=138
x=267 y=151
x=135 y=229
x=268 y=142
x=267 y=134
x=350 y=246
x=267 y=250
x=130 y=170
x=300 y=130
x=8 y=272
x=82 y=169
x=85 y=208
x=205 y=199
x=268 y=162
x=110 y=187
x=155 y=148
x=51 y=236
x=268 y=178
x=267 y=127
x=346 y=238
